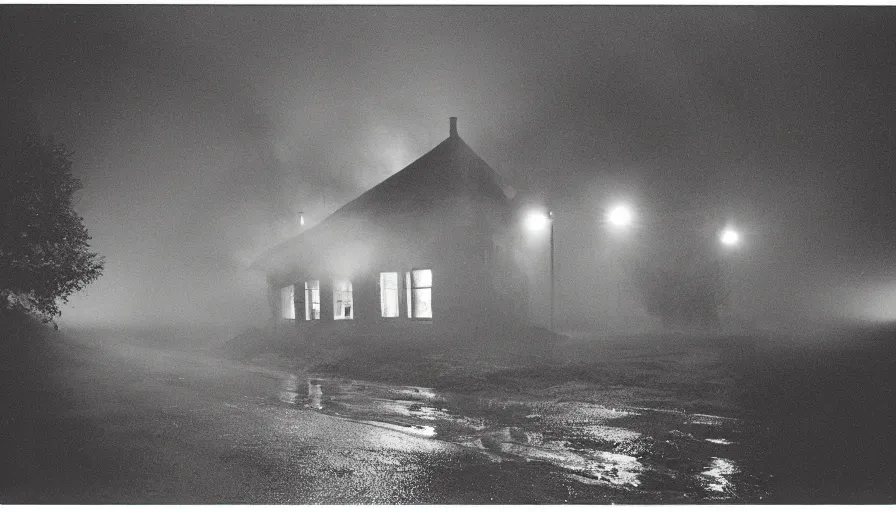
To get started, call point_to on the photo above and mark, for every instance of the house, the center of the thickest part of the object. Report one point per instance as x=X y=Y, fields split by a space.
x=431 y=252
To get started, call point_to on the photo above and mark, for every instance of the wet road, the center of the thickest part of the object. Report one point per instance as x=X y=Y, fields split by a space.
x=95 y=420
x=651 y=454
x=118 y=423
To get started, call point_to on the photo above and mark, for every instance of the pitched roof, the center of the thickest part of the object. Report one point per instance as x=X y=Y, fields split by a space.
x=450 y=169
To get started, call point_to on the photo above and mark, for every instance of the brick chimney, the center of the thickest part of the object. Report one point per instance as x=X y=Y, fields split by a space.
x=453 y=130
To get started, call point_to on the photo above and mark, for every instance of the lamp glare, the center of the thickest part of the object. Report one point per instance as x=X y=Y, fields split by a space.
x=620 y=216
x=729 y=237
x=536 y=221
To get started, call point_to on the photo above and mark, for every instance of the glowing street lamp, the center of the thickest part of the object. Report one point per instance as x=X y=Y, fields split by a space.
x=620 y=216
x=536 y=221
x=729 y=237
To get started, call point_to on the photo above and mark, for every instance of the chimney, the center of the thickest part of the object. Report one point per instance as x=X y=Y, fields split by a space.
x=453 y=131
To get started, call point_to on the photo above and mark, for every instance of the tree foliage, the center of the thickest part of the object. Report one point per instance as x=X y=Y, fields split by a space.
x=44 y=251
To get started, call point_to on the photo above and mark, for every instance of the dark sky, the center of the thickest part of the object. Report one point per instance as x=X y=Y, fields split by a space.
x=200 y=131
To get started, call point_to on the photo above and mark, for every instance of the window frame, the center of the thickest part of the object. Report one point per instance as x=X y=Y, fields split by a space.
x=397 y=295
x=409 y=286
x=283 y=302
x=309 y=317
x=351 y=291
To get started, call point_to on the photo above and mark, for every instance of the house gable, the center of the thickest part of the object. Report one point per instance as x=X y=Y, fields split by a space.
x=448 y=186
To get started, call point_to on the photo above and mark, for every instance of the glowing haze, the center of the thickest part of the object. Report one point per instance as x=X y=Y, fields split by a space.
x=203 y=132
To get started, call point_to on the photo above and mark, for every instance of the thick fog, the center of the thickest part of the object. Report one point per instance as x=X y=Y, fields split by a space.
x=201 y=132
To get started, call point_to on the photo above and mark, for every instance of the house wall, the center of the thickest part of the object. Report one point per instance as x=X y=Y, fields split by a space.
x=475 y=286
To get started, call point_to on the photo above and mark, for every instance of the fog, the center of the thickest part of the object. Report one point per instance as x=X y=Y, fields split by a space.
x=201 y=132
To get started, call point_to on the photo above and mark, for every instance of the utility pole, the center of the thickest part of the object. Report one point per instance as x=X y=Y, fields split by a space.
x=551 y=220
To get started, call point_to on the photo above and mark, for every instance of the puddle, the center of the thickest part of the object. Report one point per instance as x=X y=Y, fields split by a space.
x=589 y=443
x=582 y=412
x=718 y=473
x=288 y=387
x=315 y=394
x=420 y=408
x=416 y=430
x=654 y=409
x=612 y=434
x=595 y=465
x=708 y=419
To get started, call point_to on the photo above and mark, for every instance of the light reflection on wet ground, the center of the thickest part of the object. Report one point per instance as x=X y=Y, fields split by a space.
x=289 y=391
x=717 y=474
x=693 y=454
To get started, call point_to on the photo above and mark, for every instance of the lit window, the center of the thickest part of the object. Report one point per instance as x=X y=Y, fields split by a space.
x=418 y=287
x=312 y=300
x=287 y=302
x=407 y=291
x=342 y=300
x=389 y=294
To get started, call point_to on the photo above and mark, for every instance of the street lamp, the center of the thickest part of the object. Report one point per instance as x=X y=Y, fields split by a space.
x=620 y=216
x=536 y=221
x=729 y=237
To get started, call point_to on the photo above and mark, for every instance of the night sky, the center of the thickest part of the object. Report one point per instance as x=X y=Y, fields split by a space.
x=200 y=131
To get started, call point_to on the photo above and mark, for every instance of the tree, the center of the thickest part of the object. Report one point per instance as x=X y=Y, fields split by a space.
x=44 y=251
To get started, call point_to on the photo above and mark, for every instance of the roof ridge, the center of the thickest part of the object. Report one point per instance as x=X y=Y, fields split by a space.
x=453 y=142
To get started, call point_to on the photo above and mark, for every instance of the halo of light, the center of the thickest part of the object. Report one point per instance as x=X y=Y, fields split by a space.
x=729 y=237
x=536 y=221
x=620 y=216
